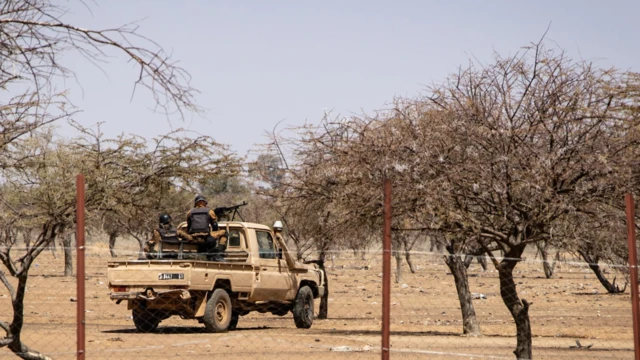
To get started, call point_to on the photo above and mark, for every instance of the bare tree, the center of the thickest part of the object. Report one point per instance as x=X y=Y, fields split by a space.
x=34 y=41
x=548 y=265
x=458 y=263
x=496 y=157
x=339 y=166
x=598 y=236
x=37 y=193
x=533 y=139
x=161 y=177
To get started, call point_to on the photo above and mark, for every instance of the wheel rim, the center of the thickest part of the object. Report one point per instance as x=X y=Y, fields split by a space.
x=221 y=312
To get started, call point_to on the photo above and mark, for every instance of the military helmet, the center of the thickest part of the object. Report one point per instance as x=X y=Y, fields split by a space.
x=198 y=199
x=165 y=219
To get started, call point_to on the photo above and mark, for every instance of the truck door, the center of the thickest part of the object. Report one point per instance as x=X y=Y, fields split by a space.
x=275 y=280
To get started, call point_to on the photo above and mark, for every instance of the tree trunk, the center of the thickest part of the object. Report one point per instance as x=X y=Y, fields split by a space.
x=323 y=312
x=53 y=249
x=519 y=308
x=141 y=242
x=435 y=244
x=398 y=256
x=548 y=266
x=112 y=243
x=68 y=255
x=26 y=237
x=467 y=260
x=457 y=267
x=482 y=260
x=407 y=256
x=15 y=328
x=611 y=287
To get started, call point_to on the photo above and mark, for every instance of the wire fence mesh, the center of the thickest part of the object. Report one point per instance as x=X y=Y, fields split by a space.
x=572 y=315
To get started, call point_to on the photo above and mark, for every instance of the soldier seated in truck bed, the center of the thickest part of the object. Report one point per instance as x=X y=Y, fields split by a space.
x=202 y=225
x=178 y=244
x=166 y=240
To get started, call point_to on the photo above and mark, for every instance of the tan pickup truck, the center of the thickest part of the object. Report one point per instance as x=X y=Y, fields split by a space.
x=257 y=274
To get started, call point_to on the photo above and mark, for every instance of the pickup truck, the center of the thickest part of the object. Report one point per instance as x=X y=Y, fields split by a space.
x=257 y=274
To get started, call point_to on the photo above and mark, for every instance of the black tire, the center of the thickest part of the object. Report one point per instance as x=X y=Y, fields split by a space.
x=218 y=313
x=145 y=320
x=234 y=320
x=303 y=308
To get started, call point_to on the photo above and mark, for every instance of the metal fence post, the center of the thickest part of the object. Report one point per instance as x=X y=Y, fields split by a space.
x=80 y=293
x=633 y=264
x=386 y=270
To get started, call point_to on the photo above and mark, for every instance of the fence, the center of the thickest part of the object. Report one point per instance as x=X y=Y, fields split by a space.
x=425 y=315
x=571 y=314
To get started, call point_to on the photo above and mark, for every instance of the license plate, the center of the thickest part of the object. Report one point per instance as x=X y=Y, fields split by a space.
x=170 y=276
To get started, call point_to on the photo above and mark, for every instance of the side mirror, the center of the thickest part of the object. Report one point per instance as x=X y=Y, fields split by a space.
x=279 y=253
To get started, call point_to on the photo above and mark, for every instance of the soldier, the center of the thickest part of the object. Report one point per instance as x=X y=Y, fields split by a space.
x=164 y=232
x=277 y=230
x=202 y=226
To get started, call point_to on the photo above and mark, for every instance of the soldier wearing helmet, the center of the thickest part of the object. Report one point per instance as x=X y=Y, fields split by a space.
x=202 y=226
x=277 y=229
x=165 y=232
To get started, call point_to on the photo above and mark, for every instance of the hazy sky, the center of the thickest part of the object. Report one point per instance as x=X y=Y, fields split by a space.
x=259 y=62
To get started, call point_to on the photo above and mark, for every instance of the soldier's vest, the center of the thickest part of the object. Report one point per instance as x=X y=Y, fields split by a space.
x=199 y=220
x=169 y=236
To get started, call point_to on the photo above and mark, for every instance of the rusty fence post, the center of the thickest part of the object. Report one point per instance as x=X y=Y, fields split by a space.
x=386 y=271
x=80 y=273
x=633 y=267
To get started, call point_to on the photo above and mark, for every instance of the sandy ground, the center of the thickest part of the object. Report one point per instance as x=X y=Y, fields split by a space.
x=425 y=317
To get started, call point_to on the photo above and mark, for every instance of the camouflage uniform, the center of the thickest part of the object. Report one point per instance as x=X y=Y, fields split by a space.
x=149 y=247
x=277 y=231
x=279 y=236
x=212 y=241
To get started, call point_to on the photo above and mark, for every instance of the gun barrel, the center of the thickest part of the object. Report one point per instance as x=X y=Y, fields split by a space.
x=222 y=211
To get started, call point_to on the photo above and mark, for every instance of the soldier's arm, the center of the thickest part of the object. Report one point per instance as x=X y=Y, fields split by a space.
x=184 y=235
x=212 y=215
x=213 y=220
x=189 y=219
x=155 y=238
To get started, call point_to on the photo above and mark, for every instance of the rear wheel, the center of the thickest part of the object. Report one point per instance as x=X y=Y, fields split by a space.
x=303 y=308
x=218 y=313
x=145 y=320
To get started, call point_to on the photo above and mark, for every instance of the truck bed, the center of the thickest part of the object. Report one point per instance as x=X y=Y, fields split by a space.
x=173 y=273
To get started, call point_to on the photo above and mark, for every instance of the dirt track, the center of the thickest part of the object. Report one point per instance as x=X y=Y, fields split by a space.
x=426 y=321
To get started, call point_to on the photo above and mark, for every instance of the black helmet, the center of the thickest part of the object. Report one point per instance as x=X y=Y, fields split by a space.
x=165 y=219
x=198 y=199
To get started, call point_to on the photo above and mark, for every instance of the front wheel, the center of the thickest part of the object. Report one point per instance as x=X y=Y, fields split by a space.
x=303 y=308
x=218 y=313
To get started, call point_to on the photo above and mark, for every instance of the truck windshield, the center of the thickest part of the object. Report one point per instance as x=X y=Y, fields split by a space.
x=266 y=249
